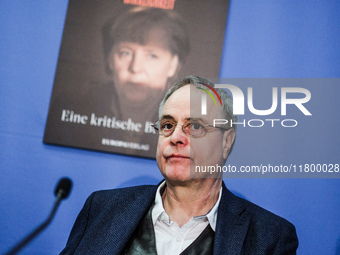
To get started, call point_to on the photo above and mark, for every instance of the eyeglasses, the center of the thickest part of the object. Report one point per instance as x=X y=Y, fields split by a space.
x=194 y=128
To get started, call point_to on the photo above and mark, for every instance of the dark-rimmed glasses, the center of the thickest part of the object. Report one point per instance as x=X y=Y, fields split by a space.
x=193 y=128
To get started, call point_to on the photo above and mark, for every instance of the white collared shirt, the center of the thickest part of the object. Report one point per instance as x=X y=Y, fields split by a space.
x=172 y=239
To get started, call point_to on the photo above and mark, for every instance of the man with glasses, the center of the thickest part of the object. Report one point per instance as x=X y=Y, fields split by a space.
x=189 y=212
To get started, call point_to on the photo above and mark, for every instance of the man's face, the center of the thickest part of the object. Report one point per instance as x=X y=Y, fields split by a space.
x=180 y=153
x=140 y=69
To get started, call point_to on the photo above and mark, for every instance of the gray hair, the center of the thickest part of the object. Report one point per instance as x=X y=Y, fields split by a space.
x=227 y=101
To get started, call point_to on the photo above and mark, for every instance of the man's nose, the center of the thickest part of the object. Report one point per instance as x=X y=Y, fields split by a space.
x=178 y=136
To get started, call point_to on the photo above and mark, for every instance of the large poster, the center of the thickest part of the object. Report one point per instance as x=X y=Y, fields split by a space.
x=117 y=59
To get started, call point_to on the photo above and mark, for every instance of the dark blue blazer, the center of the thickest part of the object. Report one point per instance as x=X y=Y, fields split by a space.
x=109 y=218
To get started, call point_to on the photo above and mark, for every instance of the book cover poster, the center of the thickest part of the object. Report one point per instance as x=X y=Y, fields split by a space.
x=117 y=58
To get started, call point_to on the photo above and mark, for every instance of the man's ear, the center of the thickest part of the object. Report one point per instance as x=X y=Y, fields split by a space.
x=173 y=66
x=227 y=142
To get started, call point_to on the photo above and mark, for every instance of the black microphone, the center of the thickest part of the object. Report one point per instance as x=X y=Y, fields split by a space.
x=61 y=191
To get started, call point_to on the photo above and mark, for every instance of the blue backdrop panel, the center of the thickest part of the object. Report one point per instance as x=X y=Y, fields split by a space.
x=263 y=39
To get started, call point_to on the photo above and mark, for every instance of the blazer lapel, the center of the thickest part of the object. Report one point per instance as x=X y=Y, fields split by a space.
x=232 y=224
x=122 y=227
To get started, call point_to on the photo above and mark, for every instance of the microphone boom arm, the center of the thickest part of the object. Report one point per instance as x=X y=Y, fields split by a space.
x=61 y=192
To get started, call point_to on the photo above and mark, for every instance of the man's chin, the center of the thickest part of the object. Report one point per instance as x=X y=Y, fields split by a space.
x=177 y=173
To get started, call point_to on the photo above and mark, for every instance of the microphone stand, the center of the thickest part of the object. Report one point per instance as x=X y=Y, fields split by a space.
x=40 y=228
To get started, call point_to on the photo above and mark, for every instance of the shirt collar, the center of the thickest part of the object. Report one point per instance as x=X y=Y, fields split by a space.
x=158 y=208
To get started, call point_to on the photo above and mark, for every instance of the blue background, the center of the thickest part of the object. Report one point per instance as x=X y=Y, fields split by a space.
x=278 y=39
